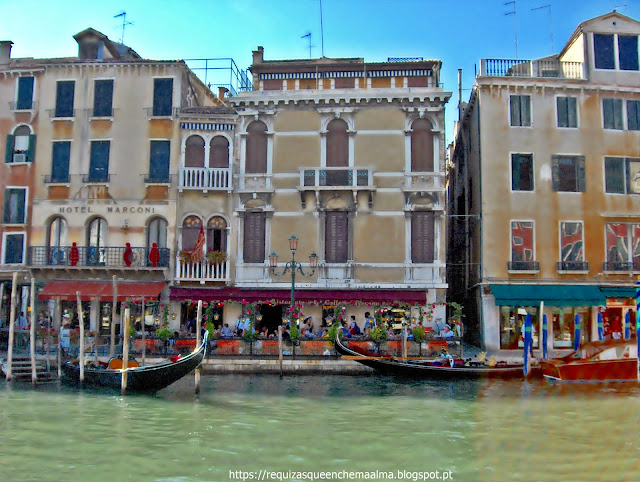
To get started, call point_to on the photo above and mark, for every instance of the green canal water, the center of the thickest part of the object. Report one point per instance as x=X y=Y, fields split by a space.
x=295 y=427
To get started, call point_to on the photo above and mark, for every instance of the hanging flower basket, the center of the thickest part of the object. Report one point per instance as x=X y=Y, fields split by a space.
x=185 y=254
x=216 y=257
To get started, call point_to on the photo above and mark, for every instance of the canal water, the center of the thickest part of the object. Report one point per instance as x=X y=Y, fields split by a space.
x=368 y=428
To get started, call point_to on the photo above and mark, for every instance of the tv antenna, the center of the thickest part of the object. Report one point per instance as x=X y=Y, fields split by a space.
x=550 y=21
x=321 y=30
x=515 y=22
x=308 y=35
x=123 y=14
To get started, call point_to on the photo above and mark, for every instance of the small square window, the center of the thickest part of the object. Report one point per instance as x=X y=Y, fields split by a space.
x=520 y=109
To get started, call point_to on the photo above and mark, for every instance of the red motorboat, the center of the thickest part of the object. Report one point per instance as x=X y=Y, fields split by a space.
x=599 y=361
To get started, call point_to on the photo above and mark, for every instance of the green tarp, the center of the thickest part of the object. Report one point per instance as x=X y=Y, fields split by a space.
x=555 y=295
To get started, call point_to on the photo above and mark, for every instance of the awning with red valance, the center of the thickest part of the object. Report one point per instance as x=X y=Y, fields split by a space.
x=102 y=290
x=373 y=297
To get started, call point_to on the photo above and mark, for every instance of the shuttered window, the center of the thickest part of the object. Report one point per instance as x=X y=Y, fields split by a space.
x=520 y=109
x=568 y=173
x=336 y=237
x=60 y=155
x=612 y=113
x=567 y=112
x=103 y=98
x=25 y=93
x=14 y=248
x=162 y=97
x=521 y=172
x=422 y=236
x=337 y=144
x=99 y=162
x=254 y=230
x=159 y=161
x=15 y=200
x=256 y=162
x=633 y=115
x=64 y=98
x=219 y=152
x=421 y=146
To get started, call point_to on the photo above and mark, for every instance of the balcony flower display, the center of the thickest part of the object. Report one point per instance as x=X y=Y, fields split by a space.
x=216 y=256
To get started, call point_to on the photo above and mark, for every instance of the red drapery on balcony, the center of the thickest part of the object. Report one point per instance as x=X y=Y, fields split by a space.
x=373 y=297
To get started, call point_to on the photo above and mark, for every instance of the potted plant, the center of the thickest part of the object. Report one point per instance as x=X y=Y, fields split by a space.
x=216 y=256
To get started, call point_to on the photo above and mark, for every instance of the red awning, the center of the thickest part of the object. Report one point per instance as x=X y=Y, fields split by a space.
x=374 y=297
x=103 y=290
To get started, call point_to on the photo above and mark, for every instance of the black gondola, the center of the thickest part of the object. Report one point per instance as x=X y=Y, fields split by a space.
x=445 y=368
x=150 y=378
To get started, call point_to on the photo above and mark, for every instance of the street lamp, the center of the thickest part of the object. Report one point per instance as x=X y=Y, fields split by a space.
x=293 y=265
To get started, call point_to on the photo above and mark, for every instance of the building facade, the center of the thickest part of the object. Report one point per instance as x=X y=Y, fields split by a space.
x=543 y=192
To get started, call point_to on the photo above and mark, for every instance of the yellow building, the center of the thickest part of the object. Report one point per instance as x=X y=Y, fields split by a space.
x=543 y=191
x=348 y=156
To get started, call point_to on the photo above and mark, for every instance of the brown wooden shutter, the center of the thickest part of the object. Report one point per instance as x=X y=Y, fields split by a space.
x=219 y=153
x=337 y=144
x=336 y=237
x=194 y=152
x=422 y=237
x=254 y=224
x=421 y=146
x=256 y=162
x=345 y=83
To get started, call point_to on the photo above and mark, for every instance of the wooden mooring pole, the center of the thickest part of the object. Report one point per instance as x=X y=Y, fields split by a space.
x=125 y=349
x=12 y=322
x=32 y=331
x=198 y=325
x=81 y=339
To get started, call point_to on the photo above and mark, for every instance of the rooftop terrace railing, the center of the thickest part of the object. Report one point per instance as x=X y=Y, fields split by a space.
x=547 y=68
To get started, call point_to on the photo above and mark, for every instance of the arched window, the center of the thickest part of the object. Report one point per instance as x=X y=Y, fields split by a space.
x=96 y=242
x=20 y=145
x=256 y=161
x=157 y=233
x=337 y=144
x=219 y=152
x=217 y=234
x=421 y=146
x=194 y=152
x=56 y=240
x=190 y=230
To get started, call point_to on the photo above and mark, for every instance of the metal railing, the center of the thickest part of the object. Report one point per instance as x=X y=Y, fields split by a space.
x=92 y=257
x=336 y=177
x=57 y=179
x=30 y=105
x=100 y=113
x=621 y=266
x=523 y=266
x=202 y=271
x=205 y=178
x=531 y=68
x=97 y=177
x=572 y=266
x=156 y=112
x=62 y=114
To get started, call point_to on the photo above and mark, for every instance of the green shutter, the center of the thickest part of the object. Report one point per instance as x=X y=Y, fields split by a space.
x=572 y=112
x=555 y=173
x=8 y=157
x=31 y=150
x=581 y=174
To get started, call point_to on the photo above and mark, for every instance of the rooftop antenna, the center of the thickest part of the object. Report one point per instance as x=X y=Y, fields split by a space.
x=515 y=22
x=308 y=35
x=321 y=29
x=123 y=14
x=550 y=22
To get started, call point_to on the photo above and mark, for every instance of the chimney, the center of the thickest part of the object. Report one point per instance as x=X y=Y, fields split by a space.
x=222 y=91
x=5 y=52
x=258 y=55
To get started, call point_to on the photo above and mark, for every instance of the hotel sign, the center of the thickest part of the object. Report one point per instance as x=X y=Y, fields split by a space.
x=108 y=210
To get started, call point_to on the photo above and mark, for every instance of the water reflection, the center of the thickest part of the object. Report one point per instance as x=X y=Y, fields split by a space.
x=481 y=430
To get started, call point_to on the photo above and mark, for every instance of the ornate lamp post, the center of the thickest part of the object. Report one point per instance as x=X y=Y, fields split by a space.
x=293 y=266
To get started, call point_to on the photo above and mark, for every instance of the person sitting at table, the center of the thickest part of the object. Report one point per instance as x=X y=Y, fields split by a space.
x=446 y=332
x=226 y=331
x=265 y=332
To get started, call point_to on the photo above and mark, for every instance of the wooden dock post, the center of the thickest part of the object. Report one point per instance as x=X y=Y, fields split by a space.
x=280 y=349
x=81 y=340
x=12 y=322
x=32 y=331
x=144 y=334
x=125 y=349
x=198 y=325
x=57 y=323
x=114 y=318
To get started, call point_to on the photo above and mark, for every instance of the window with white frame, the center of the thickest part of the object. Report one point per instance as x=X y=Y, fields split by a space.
x=520 y=110
x=604 y=48
x=567 y=111
x=336 y=237
x=522 y=241
x=522 y=172
x=24 y=95
x=256 y=148
x=15 y=205
x=571 y=241
x=254 y=237
x=64 y=98
x=622 y=175
x=422 y=237
x=612 y=114
x=568 y=173
x=622 y=241
x=13 y=248
x=21 y=146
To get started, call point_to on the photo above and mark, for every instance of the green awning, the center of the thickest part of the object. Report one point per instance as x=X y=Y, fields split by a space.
x=552 y=295
x=619 y=291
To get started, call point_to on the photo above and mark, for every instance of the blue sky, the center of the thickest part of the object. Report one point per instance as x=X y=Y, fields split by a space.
x=458 y=32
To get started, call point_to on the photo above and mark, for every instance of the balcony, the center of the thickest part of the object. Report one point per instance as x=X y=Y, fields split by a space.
x=572 y=266
x=205 y=179
x=94 y=257
x=203 y=271
x=24 y=105
x=96 y=178
x=56 y=179
x=523 y=266
x=336 y=178
x=545 y=68
x=621 y=266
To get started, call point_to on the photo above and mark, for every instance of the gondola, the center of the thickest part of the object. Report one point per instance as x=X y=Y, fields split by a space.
x=150 y=378
x=445 y=369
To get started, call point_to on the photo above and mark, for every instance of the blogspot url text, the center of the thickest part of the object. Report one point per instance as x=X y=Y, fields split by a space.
x=341 y=475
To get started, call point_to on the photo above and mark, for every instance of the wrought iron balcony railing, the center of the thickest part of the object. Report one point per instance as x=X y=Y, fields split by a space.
x=531 y=68
x=573 y=266
x=23 y=105
x=56 y=179
x=331 y=177
x=523 y=266
x=96 y=257
x=96 y=177
x=205 y=178
x=621 y=266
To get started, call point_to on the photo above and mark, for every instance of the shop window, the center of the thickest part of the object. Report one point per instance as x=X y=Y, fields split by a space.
x=563 y=322
x=522 y=172
x=512 y=319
